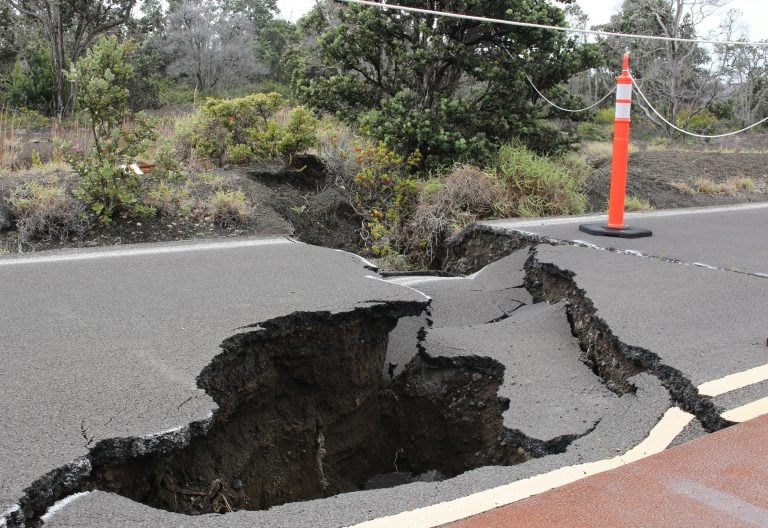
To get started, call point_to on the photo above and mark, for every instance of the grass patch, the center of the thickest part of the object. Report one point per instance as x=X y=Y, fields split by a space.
x=540 y=186
x=229 y=208
x=45 y=212
x=706 y=186
x=635 y=204
x=741 y=183
x=682 y=187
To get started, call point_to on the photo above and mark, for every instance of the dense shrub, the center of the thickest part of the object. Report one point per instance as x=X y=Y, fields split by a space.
x=102 y=76
x=701 y=122
x=31 y=81
x=246 y=129
x=593 y=132
x=384 y=194
x=605 y=116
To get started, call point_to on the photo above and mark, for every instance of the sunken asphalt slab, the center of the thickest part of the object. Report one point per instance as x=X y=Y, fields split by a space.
x=99 y=345
x=552 y=393
x=100 y=365
x=492 y=293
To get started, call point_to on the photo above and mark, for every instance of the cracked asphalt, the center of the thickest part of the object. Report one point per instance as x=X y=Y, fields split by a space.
x=106 y=344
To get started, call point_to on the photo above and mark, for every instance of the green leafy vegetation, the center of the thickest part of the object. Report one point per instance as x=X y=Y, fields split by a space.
x=453 y=89
x=247 y=129
x=383 y=192
x=540 y=186
x=118 y=135
x=635 y=204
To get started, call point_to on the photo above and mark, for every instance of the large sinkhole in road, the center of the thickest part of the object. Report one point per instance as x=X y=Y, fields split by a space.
x=306 y=411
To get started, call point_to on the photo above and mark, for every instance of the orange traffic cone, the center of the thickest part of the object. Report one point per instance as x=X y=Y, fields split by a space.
x=615 y=226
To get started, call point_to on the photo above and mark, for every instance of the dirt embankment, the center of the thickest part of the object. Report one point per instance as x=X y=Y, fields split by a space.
x=303 y=202
x=666 y=178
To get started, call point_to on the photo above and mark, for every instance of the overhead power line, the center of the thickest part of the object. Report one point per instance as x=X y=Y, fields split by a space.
x=553 y=28
x=571 y=111
x=686 y=132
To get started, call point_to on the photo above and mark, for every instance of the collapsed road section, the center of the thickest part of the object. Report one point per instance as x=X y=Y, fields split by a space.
x=335 y=396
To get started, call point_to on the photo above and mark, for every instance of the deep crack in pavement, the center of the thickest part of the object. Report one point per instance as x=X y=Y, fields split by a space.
x=486 y=383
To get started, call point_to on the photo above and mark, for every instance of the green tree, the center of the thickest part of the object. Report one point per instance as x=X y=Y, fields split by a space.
x=675 y=75
x=7 y=48
x=259 y=12
x=31 y=81
x=101 y=78
x=69 y=28
x=451 y=88
x=271 y=44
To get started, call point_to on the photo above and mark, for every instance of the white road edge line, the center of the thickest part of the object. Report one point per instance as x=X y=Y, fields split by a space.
x=747 y=412
x=669 y=427
x=734 y=382
x=143 y=251
x=597 y=218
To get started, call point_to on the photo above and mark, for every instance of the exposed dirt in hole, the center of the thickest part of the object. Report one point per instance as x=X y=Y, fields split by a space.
x=477 y=246
x=305 y=412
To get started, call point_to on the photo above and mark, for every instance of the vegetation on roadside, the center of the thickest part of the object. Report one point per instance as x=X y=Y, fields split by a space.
x=257 y=127
x=118 y=135
x=423 y=125
x=636 y=204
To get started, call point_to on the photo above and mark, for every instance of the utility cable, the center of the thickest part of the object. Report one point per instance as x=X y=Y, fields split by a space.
x=590 y=107
x=554 y=28
x=692 y=134
x=530 y=81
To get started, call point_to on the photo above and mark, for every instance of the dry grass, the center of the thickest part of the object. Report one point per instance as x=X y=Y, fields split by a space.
x=706 y=186
x=229 y=208
x=730 y=186
x=740 y=183
x=46 y=212
x=599 y=150
x=682 y=187
x=635 y=204
x=463 y=196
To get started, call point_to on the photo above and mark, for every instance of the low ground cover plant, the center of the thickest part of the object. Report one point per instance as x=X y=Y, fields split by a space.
x=46 y=212
x=540 y=186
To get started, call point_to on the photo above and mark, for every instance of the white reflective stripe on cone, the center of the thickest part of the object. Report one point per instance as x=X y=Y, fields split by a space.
x=624 y=91
x=623 y=110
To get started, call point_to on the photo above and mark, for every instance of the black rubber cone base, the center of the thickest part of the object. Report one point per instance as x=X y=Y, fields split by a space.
x=603 y=230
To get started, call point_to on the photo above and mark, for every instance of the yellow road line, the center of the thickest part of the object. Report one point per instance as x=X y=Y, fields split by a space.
x=734 y=381
x=747 y=412
x=659 y=438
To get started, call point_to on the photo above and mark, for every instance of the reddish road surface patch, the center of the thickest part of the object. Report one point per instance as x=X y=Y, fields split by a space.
x=718 y=481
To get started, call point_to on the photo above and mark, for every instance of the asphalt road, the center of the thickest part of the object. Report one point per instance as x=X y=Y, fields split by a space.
x=731 y=238
x=107 y=344
x=103 y=344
